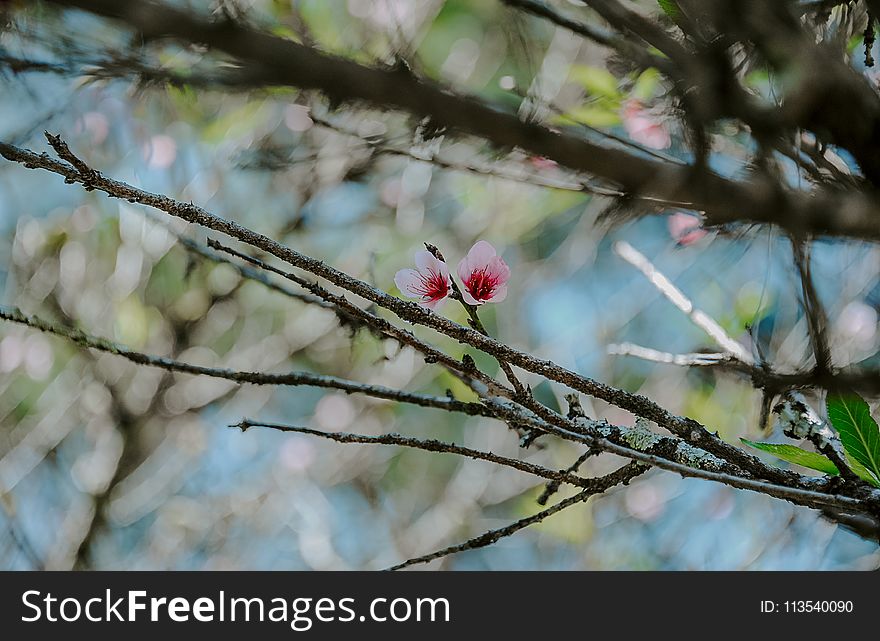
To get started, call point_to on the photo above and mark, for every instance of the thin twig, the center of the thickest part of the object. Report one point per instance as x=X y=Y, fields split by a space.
x=624 y=46
x=254 y=378
x=697 y=359
x=817 y=320
x=674 y=295
x=641 y=406
x=621 y=476
x=258 y=276
x=532 y=179
x=429 y=445
x=810 y=498
x=553 y=486
x=431 y=354
x=477 y=324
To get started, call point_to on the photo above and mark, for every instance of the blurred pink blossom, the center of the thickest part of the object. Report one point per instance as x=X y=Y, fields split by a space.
x=542 y=162
x=644 y=127
x=161 y=151
x=484 y=275
x=685 y=229
x=429 y=282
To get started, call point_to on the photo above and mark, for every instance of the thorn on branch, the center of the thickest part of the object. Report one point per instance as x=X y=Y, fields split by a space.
x=435 y=251
x=575 y=410
x=553 y=486
x=527 y=437
x=403 y=67
x=87 y=174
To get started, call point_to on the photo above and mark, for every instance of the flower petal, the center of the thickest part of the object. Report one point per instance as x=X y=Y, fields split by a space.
x=499 y=294
x=499 y=270
x=477 y=258
x=470 y=300
x=409 y=282
x=644 y=127
x=426 y=262
x=433 y=304
x=654 y=136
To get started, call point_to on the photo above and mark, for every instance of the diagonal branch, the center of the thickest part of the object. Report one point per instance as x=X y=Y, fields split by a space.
x=817 y=320
x=695 y=359
x=621 y=476
x=675 y=296
x=687 y=428
x=639 y=55
x=793 y=493
x=429 y=446
x=553 y=486
x=431 y=354
x=281 y=62
x=254 y=378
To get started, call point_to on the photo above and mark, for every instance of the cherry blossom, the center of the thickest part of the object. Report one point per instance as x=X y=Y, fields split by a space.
x=643 y=127
x=685 y=229
x=484 y=275
x=429 y=282
x=542 y=162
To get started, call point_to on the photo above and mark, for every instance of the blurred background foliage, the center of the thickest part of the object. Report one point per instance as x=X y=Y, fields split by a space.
x=108 y=465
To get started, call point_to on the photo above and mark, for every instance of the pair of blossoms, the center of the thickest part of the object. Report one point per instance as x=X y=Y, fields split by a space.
x=643 y=126
x=483 y=274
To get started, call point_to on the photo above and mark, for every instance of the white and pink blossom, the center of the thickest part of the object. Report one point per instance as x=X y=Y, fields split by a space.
x=484 y=275
x=542 y=162
x=429 y=282
x=644 y=127
x=685 y=229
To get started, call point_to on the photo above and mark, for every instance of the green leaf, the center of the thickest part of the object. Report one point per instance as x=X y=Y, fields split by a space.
x=597 y=81
x=860 y=470
x=646 y=84
x=855 y=42
x=796 y=455
x=595 y=116
x=670 y=8
x=859 y=433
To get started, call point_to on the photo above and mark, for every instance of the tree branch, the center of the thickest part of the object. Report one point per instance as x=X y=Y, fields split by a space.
x=431 y=354
x=283 y=62
x=621 y=476
x=675 y=296
x=817 y=320
x=687 y=428
x=254 y=378
x=430 y=445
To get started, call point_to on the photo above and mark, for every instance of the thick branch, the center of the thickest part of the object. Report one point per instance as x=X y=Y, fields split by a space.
x=797 y=495
x=687 y=428
x=283 y=62
x=380 y=325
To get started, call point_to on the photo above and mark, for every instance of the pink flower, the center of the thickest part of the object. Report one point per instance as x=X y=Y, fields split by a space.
x=484 y=275
x=542 y=162
x=643 y=127
x=685 y=229
x=429 y=282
